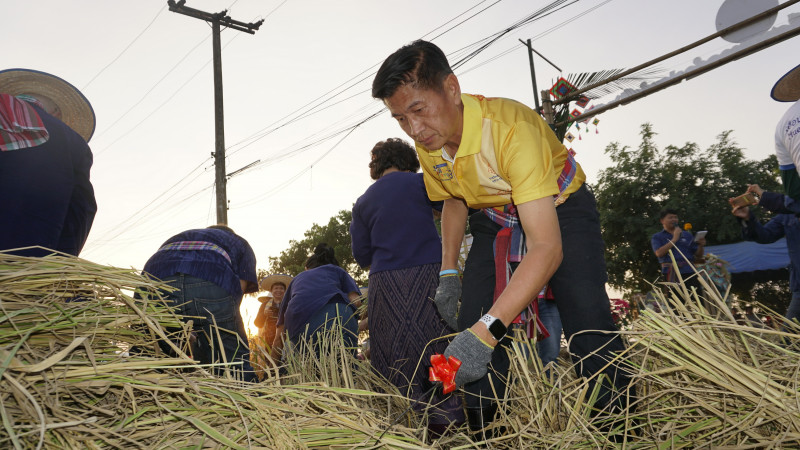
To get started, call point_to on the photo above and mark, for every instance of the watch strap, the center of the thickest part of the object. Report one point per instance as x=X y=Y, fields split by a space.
x=495 y=326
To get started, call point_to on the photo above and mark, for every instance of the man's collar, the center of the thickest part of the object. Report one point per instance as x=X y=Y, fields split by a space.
x=473 y=124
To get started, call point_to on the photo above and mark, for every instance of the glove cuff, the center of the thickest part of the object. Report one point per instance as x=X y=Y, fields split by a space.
x=481 y=340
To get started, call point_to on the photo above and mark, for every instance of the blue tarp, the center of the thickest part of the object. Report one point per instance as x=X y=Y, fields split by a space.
x=749 y=257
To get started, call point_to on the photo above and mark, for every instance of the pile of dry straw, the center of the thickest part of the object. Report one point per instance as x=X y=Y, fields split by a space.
x=68 y=381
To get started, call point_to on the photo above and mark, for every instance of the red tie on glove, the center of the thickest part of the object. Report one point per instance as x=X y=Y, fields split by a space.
x=444 y=370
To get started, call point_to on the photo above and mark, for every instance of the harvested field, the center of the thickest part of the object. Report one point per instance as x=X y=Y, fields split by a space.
x=65 y=323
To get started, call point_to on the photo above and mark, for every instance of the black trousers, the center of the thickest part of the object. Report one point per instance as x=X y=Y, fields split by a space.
x=579 y=290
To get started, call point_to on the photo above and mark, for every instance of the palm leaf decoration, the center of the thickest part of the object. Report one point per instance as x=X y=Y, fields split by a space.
x=599 y=87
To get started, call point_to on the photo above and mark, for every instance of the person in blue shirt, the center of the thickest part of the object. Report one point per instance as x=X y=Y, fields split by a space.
x=673 y=238
x=783 y=224
x=211 y=268
x=47 y=198
x=322 y=298
x=394 y=234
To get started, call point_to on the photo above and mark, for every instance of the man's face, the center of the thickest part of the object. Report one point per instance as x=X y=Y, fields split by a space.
x=277 y=291
x=669 y=221
x=432 y=118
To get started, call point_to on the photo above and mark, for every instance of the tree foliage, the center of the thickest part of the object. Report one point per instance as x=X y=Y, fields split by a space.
x=696 y=182
x=336 y=234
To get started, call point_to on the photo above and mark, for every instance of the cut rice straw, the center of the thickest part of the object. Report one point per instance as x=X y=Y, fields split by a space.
x=66 y=325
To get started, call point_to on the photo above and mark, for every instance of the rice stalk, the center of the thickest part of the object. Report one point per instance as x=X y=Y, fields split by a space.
x=70 y=381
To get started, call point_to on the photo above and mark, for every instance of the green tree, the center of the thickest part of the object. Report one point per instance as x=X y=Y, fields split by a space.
x=336 y=234
x=696 y=182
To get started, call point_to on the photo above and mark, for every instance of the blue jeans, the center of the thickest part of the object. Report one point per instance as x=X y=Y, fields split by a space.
x=550 y=347
x=218 y=313
x=327 y=318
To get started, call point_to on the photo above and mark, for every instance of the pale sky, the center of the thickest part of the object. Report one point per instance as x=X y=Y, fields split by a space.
x=153 y=96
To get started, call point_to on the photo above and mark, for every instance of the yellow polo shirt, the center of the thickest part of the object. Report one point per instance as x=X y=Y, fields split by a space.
x=507 y=153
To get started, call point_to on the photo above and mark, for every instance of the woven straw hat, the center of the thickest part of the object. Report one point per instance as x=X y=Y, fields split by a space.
x=267 y=282
x=787 y=89
x=76 y=111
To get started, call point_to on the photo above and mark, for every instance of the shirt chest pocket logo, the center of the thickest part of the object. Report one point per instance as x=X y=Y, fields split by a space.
x=444 y=171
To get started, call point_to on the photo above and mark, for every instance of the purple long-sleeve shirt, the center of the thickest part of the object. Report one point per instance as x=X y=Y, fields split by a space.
x=393 y=226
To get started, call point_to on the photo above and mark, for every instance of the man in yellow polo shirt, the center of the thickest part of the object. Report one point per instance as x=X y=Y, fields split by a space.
x=499 y=156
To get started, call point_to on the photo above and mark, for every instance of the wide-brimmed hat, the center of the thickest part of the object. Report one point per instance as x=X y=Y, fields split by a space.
x=267 y=282
x=787 y=89
x=76 y=111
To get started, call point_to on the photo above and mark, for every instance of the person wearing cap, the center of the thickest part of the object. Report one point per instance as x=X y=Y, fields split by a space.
x=500 y=156
x=211 y=269
x=48 y=200
x=393 y=233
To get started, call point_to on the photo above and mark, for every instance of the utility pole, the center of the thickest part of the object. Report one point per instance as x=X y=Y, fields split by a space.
x=533 y=74
x=216 y=21
x=531 y=51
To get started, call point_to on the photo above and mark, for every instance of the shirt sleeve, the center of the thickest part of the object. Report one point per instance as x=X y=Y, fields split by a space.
x=82 y=204
x=360 y=240
x=287 y=297
x=437 y=205
x=773 y=230
x=246 y=269
x=528 y=163
x=657 y=241
x=347 y=283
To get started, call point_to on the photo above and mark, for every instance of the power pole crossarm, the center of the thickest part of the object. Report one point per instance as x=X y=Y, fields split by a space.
x=222 y=17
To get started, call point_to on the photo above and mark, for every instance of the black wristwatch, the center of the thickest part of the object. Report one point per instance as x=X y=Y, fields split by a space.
x=495 y=326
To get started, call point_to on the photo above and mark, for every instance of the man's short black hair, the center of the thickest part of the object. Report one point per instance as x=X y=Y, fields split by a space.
x=667 y=211
x=392 y=152
x=420 y=64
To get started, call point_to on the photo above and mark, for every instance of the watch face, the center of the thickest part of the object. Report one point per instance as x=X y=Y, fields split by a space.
x=497 y=329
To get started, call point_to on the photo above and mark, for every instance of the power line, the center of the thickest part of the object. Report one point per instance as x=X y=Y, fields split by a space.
x=481 y=44
x=302 y=172
x=163 y=77
x=170 y=71
x=126 y=48
x=137 y=216
x=365 y=74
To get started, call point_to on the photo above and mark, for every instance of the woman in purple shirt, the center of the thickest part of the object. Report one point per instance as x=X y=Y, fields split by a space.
x=393 y=233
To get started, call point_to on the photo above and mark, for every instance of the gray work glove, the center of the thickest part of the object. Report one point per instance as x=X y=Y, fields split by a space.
x=447 y=295
x=474 y=354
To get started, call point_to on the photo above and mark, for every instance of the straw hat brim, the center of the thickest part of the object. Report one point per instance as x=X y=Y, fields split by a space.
x=787 y=89
x=267 y=282
x=76 y=111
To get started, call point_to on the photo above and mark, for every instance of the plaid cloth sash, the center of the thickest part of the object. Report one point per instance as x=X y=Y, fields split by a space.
x=20 y=125
x=509 y=246
x=195 y=245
